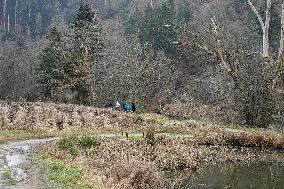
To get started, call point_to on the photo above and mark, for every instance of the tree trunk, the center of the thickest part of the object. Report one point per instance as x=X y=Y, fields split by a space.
x=29 y=30
x=4 y=13
x=15 y=16
x=8 y=27
x=266 y=32
x=266 y=96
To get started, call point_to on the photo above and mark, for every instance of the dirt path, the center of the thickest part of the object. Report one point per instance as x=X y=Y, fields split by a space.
x=17 y=171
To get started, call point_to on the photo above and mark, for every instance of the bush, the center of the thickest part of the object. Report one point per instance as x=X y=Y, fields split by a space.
x=69 y=144
x=150 y=137
x=233 y=140
x=136 y=174
x=87 y=141
x=66 y=143
x=73 y=144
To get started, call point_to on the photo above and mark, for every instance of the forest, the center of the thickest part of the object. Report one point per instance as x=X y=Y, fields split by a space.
x=162 y=54
x=205 y=76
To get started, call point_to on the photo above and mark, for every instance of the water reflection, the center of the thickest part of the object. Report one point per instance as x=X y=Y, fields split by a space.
x=261 y=175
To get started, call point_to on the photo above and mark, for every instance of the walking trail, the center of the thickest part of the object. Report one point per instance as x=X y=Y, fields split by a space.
x=17 y=170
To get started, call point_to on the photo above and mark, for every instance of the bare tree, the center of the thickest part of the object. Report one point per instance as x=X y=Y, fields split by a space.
x=271 y=70
x=265 y=24
x=4 y=13
x=15 y=16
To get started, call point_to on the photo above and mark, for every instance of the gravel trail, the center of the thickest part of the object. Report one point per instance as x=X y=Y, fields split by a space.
x=17 y=171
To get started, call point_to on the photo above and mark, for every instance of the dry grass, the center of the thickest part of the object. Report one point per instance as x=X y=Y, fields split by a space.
x=134 y=174
x=135 y=163
x=213 y=134
x=38 y=119
x=12 y=135
x=30 y=116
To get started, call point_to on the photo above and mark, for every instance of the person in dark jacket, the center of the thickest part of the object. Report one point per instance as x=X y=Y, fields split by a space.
x=133 y=107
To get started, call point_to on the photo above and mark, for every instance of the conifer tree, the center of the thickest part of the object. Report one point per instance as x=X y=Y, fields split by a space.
x=156 y=27
x=67 y=61
x=50 y=69
x=86 y=45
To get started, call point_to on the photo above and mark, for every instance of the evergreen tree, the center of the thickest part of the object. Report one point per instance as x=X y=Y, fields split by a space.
x=156 y=27
x=85 y=48
x=65 y=69
x=50 y=69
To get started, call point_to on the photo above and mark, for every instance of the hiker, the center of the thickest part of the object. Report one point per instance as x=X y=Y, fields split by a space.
x=133 y=107
x=110 y=105
x=117 y=106
x=126 y=106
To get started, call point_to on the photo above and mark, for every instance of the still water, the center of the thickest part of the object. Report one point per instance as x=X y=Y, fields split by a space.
x=261 y=175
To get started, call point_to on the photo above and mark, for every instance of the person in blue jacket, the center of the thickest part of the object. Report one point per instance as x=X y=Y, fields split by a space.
x=126 y=106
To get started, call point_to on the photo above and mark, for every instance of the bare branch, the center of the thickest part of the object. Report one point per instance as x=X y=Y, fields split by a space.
x=196 y=36
x=195 y=45
x=220 y=53
x=204 y=48
x=257 y=14
x=251 y=54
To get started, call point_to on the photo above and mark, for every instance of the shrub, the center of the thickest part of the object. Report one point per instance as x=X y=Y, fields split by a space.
x=69 y=144
x=136 y=174
x=233 y=140
x=87 y=141
x=66 y=143
x=150 y=137
x=73 y=144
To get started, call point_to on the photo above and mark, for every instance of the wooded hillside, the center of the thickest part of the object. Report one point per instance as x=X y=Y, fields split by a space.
x=183 y=58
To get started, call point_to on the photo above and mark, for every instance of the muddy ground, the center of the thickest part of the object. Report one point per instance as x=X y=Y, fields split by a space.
x=17 y=170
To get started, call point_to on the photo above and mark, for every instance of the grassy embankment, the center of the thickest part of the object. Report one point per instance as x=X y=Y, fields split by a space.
x=141 y=162
x=168 y=145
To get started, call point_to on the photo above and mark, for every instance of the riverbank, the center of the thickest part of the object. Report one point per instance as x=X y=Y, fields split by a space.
x=141 y=155
x=119 y=162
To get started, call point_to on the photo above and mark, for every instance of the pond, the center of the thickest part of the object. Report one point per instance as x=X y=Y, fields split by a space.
x=260 y=175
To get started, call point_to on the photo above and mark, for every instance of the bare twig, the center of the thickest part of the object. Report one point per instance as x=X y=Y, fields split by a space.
x=251 y=54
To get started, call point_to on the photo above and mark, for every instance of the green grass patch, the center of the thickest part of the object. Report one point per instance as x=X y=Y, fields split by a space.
x=163 y=120
x=12 y=135
x=8 y=177
x=233 y=140
x=160 y=119
x=74 y=143
x=60 y=174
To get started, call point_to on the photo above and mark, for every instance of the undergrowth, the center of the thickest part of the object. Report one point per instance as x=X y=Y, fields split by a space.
x=74 y=144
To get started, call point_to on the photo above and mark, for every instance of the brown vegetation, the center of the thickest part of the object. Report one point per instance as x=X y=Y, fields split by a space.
x=30 y=116
x=122 y=163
